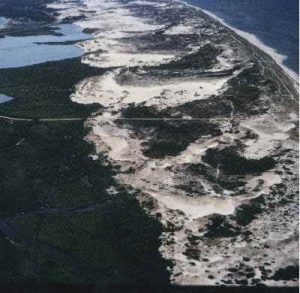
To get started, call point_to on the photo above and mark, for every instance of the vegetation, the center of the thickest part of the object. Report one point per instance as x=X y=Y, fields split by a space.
x=288 y=273
x=246 y=213
x=245 y=89
x=166 y=137
x=204 y=58
x=207 y=108
x=43 y=90
x=225 y=181
x=219 y=227
x=169 y=138
x=58 y=222
x=233 y=164
x=29 y=9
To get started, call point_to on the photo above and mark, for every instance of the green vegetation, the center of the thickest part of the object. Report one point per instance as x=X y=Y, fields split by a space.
x=29 y=9
x=58 y=222
x=245 y=89
x=170 y=138
x=233 y=164
x=288 y=273
x=225 y=181
x=204 y=58
x=246 y=213
x=59 y=43
x=133 y=111
x=43 y=90
x=166 y=137
x=24 y=29
x=218 y=227
x=207 y=108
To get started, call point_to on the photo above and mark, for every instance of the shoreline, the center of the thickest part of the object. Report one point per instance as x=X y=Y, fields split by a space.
x=252 y=39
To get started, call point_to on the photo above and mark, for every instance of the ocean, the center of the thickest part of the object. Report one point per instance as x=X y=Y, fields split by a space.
x=274 y=23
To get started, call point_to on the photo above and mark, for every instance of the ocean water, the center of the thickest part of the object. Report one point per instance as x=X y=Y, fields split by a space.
x=273 y=22
x=22 y=51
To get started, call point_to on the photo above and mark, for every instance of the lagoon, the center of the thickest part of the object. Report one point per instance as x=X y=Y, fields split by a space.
x=4 y=98
x=2 y=22
x=28 y=50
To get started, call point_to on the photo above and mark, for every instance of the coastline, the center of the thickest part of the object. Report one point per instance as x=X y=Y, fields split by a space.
x=254 y=40
x=181 y=219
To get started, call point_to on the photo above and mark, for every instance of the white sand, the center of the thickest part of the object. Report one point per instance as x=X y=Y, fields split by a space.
x=106 y=91
x=180 y=29
x=270 y=135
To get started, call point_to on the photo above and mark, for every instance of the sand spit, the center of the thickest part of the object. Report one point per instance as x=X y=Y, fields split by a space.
x=229 y=223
